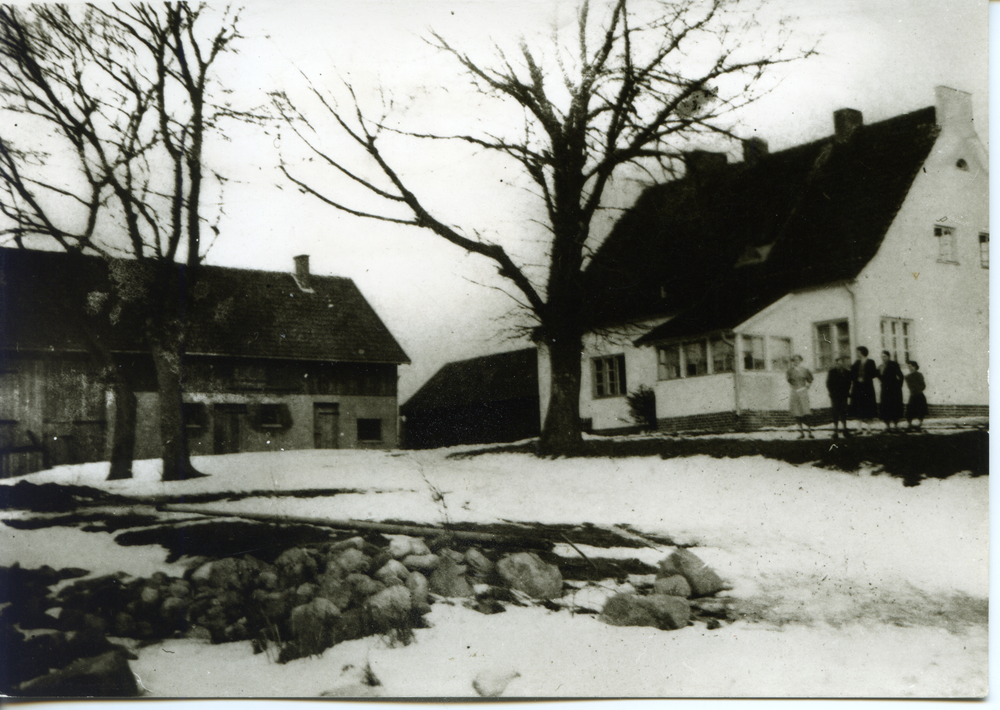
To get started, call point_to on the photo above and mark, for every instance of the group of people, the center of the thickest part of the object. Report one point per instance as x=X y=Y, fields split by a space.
x=852 y=394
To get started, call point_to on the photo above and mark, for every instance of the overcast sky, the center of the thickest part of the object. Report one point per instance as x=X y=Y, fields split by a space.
x=883 y=57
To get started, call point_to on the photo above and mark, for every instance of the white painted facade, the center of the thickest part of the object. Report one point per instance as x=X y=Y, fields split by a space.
x=943 y=299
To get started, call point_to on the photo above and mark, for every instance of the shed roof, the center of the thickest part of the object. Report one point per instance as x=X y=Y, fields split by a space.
x=489 y=378
x=716 y=248
x=234 y=312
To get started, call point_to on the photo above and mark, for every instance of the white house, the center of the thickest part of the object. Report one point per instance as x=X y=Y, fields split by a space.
x=877 y=235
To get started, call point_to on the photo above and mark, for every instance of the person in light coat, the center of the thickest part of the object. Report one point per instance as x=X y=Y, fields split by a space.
x=799 y=378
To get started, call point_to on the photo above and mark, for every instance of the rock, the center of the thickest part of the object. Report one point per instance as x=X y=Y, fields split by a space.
x=238 y=631
x=660 y=611
x=675 y=586
x=403 y=546
x=179 y=588
x=305 y=593
x=268 y=579
x=424 y=563
x=312 y=626
x=172 y=612
x=362 y=585
x=641 y=581
x=355 y=543
x=527 y=572
x=124 y=624
x=296 y=566
x=224 y=574
x=334 y=587
x=197 y=632
x=106 y=675
x=419 y=589
x=703 y=580
x=349 y=561
x=448 y=580
x=480 y=566
x=492 y=683
x=149 y=595
x=455 y=555
x=392 y=573
x=273 y=606
x=390 y=608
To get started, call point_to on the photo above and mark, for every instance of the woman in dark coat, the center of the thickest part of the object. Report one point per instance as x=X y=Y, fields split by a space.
x=863 y=406
x=916 y=408
x=891 y=392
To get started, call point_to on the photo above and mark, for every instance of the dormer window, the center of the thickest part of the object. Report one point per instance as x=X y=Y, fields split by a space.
x=946 y=244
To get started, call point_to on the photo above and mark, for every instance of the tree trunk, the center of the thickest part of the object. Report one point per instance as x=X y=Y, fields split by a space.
x=561 y=432
x=167 y=359
x=123 y=439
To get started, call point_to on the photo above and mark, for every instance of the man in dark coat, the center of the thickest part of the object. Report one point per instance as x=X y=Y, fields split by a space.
x=863 y=405
x=838 y=384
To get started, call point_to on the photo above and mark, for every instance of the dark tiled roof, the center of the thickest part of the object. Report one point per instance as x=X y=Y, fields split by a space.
x=819 y=210
x=490 y=378
x=235 y=312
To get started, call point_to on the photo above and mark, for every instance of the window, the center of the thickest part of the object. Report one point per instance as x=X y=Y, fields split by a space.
x=669 y=362
x=369 y=430
x=723 y=354
x=946 y=244
x=832 y=341
x=753 y=352
x=195 y=417
x=270 y=416
x=781 y=354
x=695 y=359
x=897 y=338
x=609 y=376
x=984 y=250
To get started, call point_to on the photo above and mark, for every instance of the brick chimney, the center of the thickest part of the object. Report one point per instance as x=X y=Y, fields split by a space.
x=302 y=271
x=753 y=150
x=845 y=122
x=700 y=163
x=953 y=109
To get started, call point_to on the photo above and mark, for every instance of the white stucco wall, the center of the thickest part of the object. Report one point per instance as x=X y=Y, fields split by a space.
x=640 y=368
x=947 y=302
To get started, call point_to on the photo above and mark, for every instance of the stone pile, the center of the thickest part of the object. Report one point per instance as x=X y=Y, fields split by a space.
x=309 y=599
x=306 y=600
x=678 y=593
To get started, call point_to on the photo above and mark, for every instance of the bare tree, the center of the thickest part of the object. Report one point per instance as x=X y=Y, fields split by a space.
x=125 y=99
x=620 y=93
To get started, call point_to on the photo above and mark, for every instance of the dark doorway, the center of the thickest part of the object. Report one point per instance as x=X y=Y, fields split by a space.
x=326 y=425
x=227 y=427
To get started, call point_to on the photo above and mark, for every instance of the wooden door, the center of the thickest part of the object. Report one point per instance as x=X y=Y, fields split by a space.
x=227 y=427
x=326 y=425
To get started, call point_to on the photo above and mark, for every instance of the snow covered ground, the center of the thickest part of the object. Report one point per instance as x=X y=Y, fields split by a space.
x=847 y=584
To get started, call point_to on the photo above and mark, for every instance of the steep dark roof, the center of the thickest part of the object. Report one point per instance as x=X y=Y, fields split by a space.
x=235 y=312
x=819 y=211
x=490 y=378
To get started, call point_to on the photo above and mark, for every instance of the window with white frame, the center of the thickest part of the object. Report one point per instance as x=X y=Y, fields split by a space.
x=609 y=376
x=781 y=353
x=753 y=352
x=833 y=340
x=984 y=250
x=946 y=244
x=723 y=354
x=669 y=359
x=897 y=338
x=695 y=358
